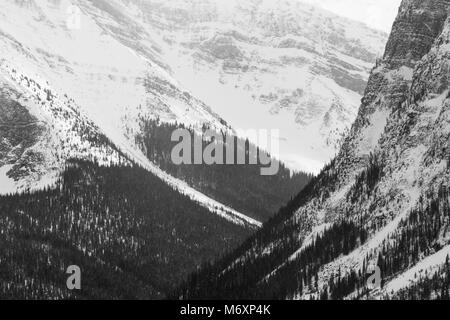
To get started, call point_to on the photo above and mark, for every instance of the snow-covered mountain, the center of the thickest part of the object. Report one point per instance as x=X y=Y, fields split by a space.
x=74 y=71
x=77 y=78
x=270 y=64
x=79 y=91
x=382 y=202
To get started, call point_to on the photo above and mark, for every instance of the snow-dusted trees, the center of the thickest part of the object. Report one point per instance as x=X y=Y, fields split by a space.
x=130 y=233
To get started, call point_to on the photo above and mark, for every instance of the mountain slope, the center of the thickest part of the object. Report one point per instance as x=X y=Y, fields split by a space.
x=92 y=81
x=131 y=234
x=40 y=130
x=272 y=64
x=112 y=69
x=69 y=134
x=383 y=201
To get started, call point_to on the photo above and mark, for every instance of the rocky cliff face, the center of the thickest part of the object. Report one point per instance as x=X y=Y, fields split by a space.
x=19 y=132
x=415 y=30
x=417 y=25
x=392 y=168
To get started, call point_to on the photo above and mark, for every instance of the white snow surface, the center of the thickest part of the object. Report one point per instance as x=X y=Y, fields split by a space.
x=412 y=275
x=7 y=184
x=96 y=73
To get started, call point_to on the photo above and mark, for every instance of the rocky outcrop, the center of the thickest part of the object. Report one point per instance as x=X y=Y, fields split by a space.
x=19 y=133
x=414 y=31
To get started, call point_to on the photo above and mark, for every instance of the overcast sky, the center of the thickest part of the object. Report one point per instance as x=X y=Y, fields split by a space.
x=379 y=14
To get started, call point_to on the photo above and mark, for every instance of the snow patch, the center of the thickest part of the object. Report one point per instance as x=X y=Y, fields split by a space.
x=7 y=184
x=411 y=276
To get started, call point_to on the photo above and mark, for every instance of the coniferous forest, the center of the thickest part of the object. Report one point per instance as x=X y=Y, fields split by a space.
x=297 y=276
x=131 y=234
x=241 y=187
x=435 y=286
x=135 y=237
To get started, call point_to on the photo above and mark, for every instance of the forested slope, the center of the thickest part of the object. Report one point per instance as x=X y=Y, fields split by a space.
x=131 y=234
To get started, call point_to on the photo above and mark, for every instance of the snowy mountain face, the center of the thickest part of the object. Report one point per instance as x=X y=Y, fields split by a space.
x=80 y=91
x=270 y=64
x=112 y=78
x=81 y=88
x=40 y=130
x=73 y=92
x=383 y=201
x=77 y=70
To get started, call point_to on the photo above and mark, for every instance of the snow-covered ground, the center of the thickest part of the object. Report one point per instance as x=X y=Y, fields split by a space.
x=7 y=184
x=425 y=267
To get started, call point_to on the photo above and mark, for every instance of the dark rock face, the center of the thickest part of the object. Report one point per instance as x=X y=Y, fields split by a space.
x=222 y=48
x=418 y=24
x=434 y=72
x=19 y=130
x=415 y=29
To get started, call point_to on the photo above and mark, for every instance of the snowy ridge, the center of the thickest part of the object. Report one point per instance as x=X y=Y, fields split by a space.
x=90 y=82
x=79 y=148
x=68 y=134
